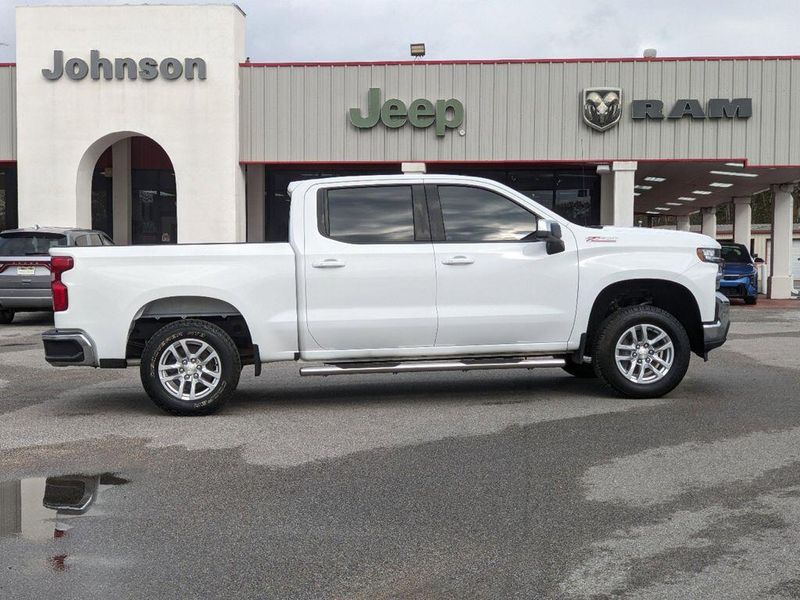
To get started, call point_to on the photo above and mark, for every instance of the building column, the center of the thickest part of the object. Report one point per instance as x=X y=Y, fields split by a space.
x=624 y=175
x=742 y=221
x=780 y=281
x=683 y=223
x=606 y=194
x=710 y=221
x=619 y=191
x=254 y=194
x=121 y=191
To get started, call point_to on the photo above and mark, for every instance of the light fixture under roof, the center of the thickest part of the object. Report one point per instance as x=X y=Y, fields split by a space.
x=733 y=174
x=661 y=208
x=701 y=192
x=720 y=184
x=687 y=198
x=636 y=194
x=652 y=212
x=674 y=204
x=735 y=164
x=656 y=179
x=643 y=187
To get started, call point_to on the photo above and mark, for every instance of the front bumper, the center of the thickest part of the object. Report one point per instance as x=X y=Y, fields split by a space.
x=716 y=332
x=69 y=348
x=738 y=288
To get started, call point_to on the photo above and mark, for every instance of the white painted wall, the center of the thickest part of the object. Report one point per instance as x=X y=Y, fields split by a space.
x=64 y=125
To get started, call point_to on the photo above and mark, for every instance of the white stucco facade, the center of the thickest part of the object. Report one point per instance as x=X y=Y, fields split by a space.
x=66 y=124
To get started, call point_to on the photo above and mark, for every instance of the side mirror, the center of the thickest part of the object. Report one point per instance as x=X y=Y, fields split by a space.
x=70 y=493
x=547 y=229
x=758 y=260
x=549 y=232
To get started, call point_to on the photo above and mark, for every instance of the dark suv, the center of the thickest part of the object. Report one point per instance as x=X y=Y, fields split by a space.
x=25 y=265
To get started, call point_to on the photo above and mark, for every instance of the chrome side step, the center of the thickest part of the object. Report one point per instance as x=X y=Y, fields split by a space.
x=430 y=366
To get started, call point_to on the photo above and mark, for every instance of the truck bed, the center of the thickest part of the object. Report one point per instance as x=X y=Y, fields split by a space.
x=110 y=287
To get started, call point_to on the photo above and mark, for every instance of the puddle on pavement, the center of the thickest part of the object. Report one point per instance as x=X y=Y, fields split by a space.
x=46 y=508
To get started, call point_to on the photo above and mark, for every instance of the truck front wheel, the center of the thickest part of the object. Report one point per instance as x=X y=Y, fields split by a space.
x=6 y=316
x=190 y=367
x=641 y=352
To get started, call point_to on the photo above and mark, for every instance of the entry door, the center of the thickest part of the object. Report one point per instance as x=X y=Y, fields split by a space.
x=495 y=286
x=369 y=269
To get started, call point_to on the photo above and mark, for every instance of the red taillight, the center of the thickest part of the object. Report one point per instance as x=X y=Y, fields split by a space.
x=59 y=264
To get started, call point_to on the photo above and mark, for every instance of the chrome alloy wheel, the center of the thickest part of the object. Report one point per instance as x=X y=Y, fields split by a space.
x=189 y=369
x=644 y=353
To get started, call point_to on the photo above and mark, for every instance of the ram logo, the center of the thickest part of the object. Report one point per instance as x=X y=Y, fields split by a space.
x=602 y=107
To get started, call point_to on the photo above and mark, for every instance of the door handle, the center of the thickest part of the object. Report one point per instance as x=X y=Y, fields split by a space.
x=328 y=263
x=459 y=259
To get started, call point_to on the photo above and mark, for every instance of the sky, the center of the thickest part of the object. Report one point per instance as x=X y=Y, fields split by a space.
x=333 y=30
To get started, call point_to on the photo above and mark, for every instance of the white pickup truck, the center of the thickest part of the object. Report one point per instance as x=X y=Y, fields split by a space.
x=388 y=274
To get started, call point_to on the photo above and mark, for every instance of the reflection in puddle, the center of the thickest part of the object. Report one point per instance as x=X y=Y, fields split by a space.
x=40 y=509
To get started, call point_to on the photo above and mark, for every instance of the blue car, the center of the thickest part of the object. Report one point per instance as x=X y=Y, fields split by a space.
x=739 y=273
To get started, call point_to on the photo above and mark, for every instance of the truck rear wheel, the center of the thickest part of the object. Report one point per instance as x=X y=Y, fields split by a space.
x=641 y=352
x=190 y=367
x=6 y=316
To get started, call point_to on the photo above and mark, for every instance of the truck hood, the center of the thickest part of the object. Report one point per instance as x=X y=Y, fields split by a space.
x=645 y=236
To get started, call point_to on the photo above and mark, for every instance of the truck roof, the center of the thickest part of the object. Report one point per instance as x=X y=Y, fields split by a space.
x=376 y=178
x=50 y=229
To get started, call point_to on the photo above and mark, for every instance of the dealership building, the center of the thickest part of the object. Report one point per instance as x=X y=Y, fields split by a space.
x=150 y=122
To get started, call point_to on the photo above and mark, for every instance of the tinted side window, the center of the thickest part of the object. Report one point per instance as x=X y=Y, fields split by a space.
x=370 y=215
x=94 y=240
x=82 y=240
x=477 y=215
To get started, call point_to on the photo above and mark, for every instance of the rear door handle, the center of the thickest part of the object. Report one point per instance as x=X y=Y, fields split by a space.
x=459 y=259
x=328 y=263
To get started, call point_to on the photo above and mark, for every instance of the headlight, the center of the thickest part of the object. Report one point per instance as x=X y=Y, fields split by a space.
x=711 y=255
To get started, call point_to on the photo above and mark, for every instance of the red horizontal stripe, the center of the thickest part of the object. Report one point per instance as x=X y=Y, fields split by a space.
x=511 y=61
x=595 y=161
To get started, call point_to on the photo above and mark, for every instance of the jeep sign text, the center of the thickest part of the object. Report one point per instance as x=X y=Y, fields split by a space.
x=147 y=68
x=444 y=114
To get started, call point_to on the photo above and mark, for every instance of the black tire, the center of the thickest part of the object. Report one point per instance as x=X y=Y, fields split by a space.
x=229 y=364
x=750 y=300
x=613 y=329
x=6 y=316
x=581 y=371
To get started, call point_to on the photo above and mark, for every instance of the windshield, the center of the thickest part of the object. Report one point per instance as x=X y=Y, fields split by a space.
x=29 y=244
x=735 y=253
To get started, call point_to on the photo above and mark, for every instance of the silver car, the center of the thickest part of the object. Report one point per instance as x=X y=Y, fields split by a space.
x=25 y=265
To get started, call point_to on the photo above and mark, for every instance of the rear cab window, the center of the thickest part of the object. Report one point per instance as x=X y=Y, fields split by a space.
x=25 y=243
x=381 y=214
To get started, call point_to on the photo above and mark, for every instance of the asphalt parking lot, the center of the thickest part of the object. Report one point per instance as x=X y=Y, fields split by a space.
x=477 y=485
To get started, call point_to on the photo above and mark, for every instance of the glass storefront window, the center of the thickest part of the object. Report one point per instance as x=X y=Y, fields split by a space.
x=8 y=198
x=102 y=203
x=153 y=207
